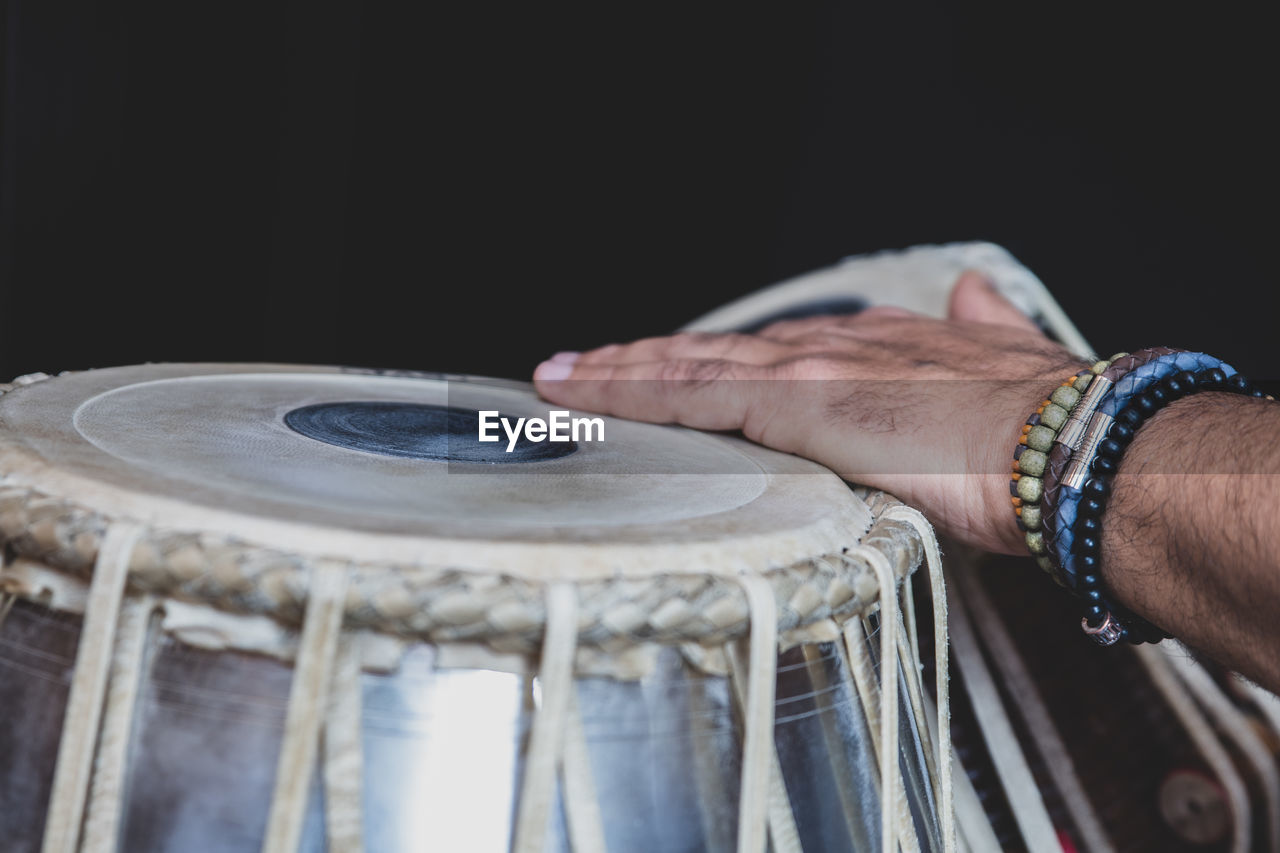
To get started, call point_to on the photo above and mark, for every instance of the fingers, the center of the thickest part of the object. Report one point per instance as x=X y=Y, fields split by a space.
x=690 y=346
x=975 y=299
x=698 y=394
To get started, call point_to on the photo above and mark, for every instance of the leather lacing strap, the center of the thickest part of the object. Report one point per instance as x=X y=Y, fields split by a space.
x=758 y=751
x=129 y=667
x=7 y=600
x=583 y=819
x=88 y=688
x=546 y=738
x=1011 y=766
x=938 y=596
x=783 y=832
x=1268 y=703
x=1045 y=737
x=1235 y=727
x=308 y=694
x=1206 y=741
x=890 y=772
x=344 y=753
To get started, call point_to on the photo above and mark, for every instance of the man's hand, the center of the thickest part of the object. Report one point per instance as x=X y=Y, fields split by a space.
x=928 y=410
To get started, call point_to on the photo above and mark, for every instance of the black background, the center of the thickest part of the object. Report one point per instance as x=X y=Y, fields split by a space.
x=474 y=190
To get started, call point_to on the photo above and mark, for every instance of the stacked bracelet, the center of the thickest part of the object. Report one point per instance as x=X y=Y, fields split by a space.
x=1085 y=453
x=1076 y=442
x=1137 y=396
x=1030 y=460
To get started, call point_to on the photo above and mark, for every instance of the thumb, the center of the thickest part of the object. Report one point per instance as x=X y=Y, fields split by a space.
x=976 y=300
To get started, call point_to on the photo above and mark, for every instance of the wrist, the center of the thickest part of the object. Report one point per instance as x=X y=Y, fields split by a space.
x=1084 y=464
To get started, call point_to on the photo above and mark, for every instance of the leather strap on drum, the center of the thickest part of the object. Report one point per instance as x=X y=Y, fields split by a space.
x=307 y=699
x=88 y=687
x=582 y=815
x=889 y=771
x=758 y=756
x=344 y=754
x=1268 y=703
x=1045 y=737
x=1011 y=765
x=1235 y=727
x=942 y=672
x=128 y=672
x=1206 y=740
x=546 y=740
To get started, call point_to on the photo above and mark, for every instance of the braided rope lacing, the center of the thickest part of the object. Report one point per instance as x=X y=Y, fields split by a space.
x=444 y=604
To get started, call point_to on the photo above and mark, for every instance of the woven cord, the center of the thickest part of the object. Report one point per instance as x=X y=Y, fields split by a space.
x=443 y=603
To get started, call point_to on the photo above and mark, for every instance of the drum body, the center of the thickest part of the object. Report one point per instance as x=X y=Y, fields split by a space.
x=441 y=749
x=326 y=593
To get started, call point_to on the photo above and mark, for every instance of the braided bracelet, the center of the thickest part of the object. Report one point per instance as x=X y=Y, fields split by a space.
x=1081 y=436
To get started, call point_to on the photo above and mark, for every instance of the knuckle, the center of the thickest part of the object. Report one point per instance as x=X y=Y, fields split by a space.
x=695 y=372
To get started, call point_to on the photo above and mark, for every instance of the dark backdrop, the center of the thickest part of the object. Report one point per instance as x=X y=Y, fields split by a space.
x=350 y=183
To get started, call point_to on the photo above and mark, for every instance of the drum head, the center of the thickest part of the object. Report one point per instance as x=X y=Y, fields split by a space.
x=388 y=468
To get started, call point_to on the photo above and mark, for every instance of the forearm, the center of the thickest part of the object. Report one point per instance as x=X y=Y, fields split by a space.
x=1191 y=535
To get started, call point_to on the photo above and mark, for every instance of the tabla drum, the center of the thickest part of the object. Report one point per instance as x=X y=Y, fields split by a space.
x=266 y=607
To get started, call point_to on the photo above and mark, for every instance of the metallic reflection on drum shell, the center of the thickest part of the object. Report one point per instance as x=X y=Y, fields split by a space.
x=442 y=749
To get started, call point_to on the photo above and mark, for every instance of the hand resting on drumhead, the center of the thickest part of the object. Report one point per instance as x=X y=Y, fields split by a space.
x=884 y=397
x=930 y=410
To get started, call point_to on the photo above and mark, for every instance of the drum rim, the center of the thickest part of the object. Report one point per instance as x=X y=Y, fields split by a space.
x=831 y=516
x=443 y=592
x=442 y=605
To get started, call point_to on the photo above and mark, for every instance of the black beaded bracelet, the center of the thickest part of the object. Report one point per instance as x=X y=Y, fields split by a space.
x=1136 y=398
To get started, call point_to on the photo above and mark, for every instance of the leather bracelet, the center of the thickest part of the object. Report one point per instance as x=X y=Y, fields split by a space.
x=1058 y=507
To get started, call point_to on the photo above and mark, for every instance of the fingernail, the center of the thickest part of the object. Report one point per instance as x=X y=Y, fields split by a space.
x=552 y=371
x=567 y=357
